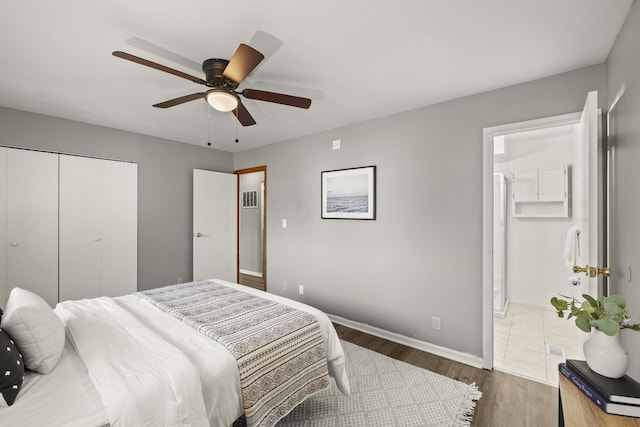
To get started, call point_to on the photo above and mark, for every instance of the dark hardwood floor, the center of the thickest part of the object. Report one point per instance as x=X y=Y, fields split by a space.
x=252 y=281
x=507 y=400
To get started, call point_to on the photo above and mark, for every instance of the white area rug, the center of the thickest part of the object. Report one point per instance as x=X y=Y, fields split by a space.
x=387 y=392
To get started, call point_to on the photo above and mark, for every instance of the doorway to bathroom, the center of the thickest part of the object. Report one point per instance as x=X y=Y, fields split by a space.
x=534 y=180
x=540 y=191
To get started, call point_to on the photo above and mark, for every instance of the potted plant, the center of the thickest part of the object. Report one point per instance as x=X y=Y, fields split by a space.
x=604 y=318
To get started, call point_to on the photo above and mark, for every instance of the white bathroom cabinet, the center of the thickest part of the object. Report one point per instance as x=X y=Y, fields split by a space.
x=541 y=192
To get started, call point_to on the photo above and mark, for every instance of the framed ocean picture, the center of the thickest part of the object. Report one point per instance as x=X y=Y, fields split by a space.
x=349 y=193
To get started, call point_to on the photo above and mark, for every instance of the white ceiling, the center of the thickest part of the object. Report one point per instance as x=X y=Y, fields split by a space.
x=356 y=59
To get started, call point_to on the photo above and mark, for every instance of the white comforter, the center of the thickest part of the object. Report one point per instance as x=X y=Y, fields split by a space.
x=153 y=370
x=142 y=380
x=65 y=397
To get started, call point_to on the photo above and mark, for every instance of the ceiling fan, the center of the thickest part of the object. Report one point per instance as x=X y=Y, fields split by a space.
x=223 y=77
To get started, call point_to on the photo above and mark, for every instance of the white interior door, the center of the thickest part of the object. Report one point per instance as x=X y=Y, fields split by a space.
x=215 y=246
x=588 y=186
x=32 y=222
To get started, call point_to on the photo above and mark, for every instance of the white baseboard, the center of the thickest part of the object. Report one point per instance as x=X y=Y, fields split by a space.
x=502 y=314
x=251 y=273
x=466 y=358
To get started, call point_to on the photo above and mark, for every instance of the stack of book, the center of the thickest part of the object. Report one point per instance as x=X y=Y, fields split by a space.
x=619 y=396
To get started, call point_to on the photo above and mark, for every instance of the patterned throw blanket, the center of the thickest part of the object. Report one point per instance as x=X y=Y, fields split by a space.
x=280 y=350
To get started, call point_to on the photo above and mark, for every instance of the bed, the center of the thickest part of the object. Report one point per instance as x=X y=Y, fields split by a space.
x=130 y=361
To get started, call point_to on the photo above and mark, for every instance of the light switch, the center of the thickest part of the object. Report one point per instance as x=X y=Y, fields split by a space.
x=284 y=223
x=336 y=144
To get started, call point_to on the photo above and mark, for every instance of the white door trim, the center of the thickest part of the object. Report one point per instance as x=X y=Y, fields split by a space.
x=487 y=216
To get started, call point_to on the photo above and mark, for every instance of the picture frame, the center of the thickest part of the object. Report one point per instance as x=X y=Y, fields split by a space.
x=349 y=193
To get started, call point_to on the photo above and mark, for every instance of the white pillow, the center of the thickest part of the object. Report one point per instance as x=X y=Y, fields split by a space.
x=35 y=328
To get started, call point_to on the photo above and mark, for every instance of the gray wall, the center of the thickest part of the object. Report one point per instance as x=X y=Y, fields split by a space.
x=623 y=75
x=422 y=256
x=164 y=182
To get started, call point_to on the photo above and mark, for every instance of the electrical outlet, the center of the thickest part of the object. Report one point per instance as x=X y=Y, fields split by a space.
x=179 y=280
x=301 y=289
x=435 y=323
x=336 y=144
x=284 y=286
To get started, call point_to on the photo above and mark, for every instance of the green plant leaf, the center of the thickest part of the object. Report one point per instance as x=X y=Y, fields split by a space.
x=608 y=326
x=559 y=304
x=582 y=322
x=589 y=308
x=592 y=302
x=612 y=308
x=616 y=299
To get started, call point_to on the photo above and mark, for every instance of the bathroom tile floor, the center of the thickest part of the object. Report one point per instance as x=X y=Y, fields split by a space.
x=530 y=342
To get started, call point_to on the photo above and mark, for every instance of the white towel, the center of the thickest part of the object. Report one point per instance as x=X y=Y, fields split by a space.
x=572 y=246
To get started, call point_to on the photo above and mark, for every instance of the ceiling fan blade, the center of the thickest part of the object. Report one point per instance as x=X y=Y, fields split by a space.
x=278 y=98
x=157 y=66
x=161 y=52
x=243 y=115
x=242 y=63
x=180 y=100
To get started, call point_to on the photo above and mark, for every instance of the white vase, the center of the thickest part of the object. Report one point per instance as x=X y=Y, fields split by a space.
x=605 y=355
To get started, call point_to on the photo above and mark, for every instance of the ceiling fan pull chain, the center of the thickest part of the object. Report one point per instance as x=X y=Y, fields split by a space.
x=236 y=112
x=209 y=125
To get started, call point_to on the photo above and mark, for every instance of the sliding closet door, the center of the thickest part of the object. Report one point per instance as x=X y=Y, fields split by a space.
x=98 y=227
x=80 y=227
x=119 y=228
x=32 y=222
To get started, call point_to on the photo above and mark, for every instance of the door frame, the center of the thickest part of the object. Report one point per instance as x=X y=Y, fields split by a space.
x=239 y=172
x=487 y=216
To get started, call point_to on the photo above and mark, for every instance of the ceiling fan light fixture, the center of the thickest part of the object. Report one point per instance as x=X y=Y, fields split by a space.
x=222 y=99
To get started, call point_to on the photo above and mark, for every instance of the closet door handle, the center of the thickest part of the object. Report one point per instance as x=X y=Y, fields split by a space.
x=197 y=235
x=14 y=244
